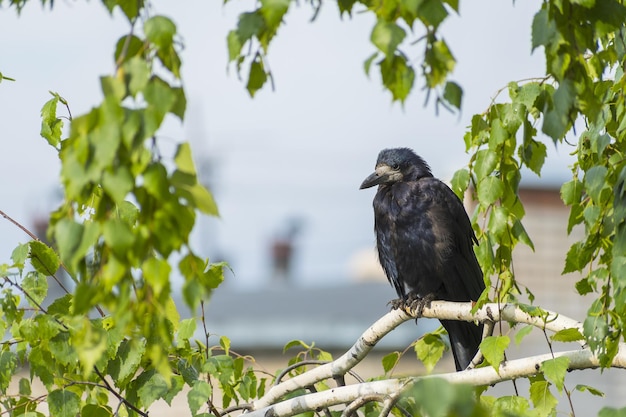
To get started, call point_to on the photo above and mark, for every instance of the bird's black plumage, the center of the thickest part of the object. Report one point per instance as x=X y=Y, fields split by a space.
x=425 y=241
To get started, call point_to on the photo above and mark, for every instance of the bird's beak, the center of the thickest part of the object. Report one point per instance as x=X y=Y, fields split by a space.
x=377 y=177
x=372 y=180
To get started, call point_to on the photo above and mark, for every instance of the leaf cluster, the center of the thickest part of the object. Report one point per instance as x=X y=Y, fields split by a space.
x=130 y=203
x=397 y=21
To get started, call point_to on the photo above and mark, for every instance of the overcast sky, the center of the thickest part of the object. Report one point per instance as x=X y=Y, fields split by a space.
x=298 y=152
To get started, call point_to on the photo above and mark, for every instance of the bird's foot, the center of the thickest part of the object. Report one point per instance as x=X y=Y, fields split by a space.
x=412 y=303
x=416 y=304
x=397 y=303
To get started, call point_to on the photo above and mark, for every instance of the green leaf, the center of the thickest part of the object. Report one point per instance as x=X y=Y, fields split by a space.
x=156 y=272
x=24 y=385
x=19 y=255
x=138 y=72
x=571 y=192
x=534 y=155
x=522 y=333
x=234 y=45
x=119 y=236
x=127 y=48
x=153 y=387
x=127 y=360
x=578 y=256
x=273 y=11
x=485 y=162
x=198 y=396
x=595 y=182
x=543 y=400
x=51 y=126
x=543 y=29
x=225 y=344
x=257 y=77
x=453 y=94
x=439 y=398
x=160 y=30
x=390 y=360
x=398 y=77
x=567 y=335
x=490 y=189
x=4 y=77
x=368 y=63
x=118 y=183
x=62 y=350
x=432 y=12
x=63 y=403
x=528 y=94
x=35 y=284
x=161 y=98
x=386 y=36
x=89 y=340
x=186 y=329
x=203 y=200
x=180 y=105
x=618 y=270
x=155 y=181
x=439 y=63
x=113 y=86
x=184 y=160
x=511 y=406
x=591 y=390
x=8 y=365
x=493 y=348
x=295 y=343
x=460 y=182
x=612 y=412
x=557 y=119
x=96 y=410
x=345 y=6
x=555 y=370
x=429 y=350
x=250 y=24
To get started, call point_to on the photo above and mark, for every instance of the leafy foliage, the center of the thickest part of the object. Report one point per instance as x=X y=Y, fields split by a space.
x=249 y=43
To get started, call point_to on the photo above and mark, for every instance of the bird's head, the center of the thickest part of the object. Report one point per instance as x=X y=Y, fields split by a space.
x=398 y=164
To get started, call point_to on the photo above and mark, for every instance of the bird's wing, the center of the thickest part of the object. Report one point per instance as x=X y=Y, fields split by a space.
x=462 y=275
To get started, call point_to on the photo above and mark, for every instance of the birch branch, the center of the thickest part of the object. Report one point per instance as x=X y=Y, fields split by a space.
x=525 y=367
x=543 y=319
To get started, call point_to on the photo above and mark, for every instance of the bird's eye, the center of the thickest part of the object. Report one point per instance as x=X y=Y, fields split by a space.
x=396 y=166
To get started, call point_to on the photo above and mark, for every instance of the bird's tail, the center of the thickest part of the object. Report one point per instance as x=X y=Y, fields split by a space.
x=465 y=338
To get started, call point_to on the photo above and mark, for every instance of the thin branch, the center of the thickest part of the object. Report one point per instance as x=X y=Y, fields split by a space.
x=352 y=408
x=310 y=362
x=578 y=359
x=390 y=403
x=118 y=395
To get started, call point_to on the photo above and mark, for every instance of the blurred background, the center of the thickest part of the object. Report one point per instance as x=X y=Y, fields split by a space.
x=285 y=167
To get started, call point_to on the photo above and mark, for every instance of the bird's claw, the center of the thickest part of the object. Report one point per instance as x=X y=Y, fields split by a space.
x=412 y=303
x=397 y=303
x=417 y=304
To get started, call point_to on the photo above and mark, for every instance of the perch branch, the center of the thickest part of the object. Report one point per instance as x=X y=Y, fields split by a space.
x=438 y=309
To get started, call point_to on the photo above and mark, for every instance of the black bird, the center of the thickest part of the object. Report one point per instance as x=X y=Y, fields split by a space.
x=425 y=243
